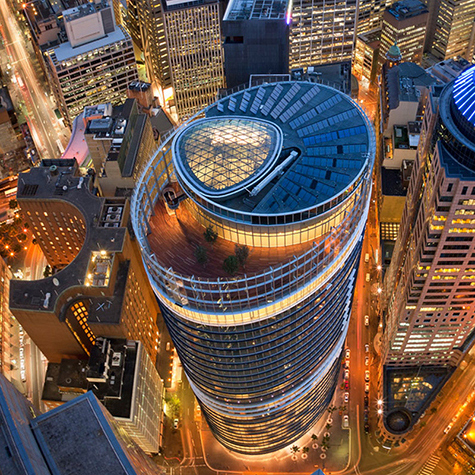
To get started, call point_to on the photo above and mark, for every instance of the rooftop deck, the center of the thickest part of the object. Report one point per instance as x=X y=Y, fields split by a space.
x=175 y=238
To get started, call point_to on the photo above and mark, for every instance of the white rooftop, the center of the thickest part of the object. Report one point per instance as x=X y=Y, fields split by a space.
x=65 y=51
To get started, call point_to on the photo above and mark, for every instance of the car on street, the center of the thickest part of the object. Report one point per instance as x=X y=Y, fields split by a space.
x=366 y=348
x=175 y=424
x=347 y=374
x=347 y=364
x=366 y=360
x=366 y=320
x=366 y=388
x=366 y=428
x=347 y=353
x=347 y=397
x=366 y=375
x=346 y=421
x=347 y=385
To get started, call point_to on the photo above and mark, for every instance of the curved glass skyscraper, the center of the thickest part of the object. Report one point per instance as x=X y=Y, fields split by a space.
x=284 y=169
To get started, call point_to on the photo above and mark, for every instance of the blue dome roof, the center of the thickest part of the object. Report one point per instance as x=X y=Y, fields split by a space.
x=464 y=94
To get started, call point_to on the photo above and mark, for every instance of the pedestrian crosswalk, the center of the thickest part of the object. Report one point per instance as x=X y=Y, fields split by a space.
x=428 y=467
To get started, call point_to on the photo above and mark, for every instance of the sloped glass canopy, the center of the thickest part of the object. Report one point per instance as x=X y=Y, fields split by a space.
x=220 y=156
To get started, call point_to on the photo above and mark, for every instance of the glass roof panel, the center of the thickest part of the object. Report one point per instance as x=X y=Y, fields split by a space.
x=219 y=154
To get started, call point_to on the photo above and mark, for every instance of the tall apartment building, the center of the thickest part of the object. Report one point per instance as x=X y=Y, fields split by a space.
x=322 y=32
x=430 y=283
x=453 y=29
x=95 y=65
x=78 y=438
x=285 y=169
x=404 y=23
x=120 y=140
x=99 y=286
x=256 y=39
x=122 y=376
x=195 y=53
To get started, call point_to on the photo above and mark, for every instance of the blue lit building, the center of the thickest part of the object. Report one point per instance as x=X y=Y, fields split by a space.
x=284 y=169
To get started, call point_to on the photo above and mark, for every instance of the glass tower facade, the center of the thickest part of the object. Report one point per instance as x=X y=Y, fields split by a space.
x=284 y=169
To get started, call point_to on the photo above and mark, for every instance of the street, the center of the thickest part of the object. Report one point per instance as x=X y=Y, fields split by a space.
x=20 y=60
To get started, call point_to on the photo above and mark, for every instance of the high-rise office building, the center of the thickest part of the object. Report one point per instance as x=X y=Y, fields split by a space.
x=256 y=39
x=99 y=286
x=370 y=13
x=78 y=438
x=195 y=52
x=429 y=286
x=284 y=169
x=453 y=29
x=322 y=32
x=146 y=25
x=404 y=23
x=95 y=65
x=122 y=376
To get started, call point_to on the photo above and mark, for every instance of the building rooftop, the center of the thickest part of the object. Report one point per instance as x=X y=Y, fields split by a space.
x=257 y=10
x=324 y=128
x=449 y=69
x=407 y=9
x=83 y=10
x=65 y=51
x=403 y=81
x=106 y=220
x=92 y=447
x=464 y=94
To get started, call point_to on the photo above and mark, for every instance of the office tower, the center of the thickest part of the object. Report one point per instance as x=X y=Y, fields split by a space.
x=78 y=438
x=122 y=376
x=365 y=60
x=256 y=39
x=195 y=52
x=370 y=13
x=429 y=292
x=322 y=32
x=284 y=169
x=146 y=23
x=99 y=286
x=404 y=23
x=452 y=29
x=95 y=65
x=120 y=139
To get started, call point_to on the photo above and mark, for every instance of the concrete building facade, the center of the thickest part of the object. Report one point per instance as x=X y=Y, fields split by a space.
x=99 y=286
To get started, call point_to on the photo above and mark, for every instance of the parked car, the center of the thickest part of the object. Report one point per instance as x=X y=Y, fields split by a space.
x=366 y=428
x=366 y=388
x=175 y=424
x=366 y=348
x=366 y=320
x=347 y=397
x=347 y=374
x=366 y=375
x=347 y=353
x=366 y=360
